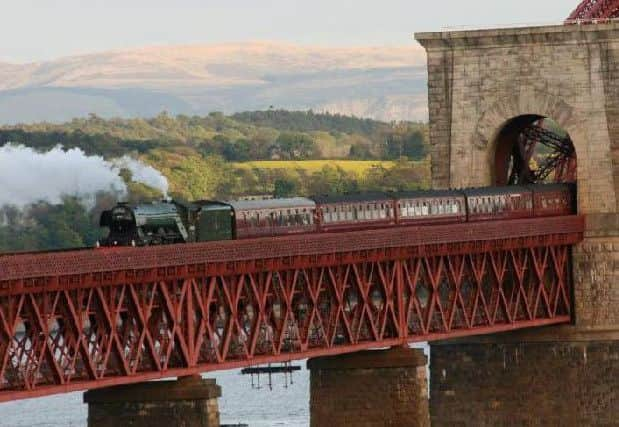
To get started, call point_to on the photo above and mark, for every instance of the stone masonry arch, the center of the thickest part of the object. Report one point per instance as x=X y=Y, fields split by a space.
x=495 y=118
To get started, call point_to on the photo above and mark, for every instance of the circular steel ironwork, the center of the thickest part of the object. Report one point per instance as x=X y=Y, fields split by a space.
x=532 y=149
x=595 y=9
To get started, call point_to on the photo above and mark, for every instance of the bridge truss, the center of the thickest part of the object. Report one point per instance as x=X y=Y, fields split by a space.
x=86 y=319
x=595 y=9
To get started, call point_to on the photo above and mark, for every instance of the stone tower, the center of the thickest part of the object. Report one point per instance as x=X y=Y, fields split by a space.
x=479 y=81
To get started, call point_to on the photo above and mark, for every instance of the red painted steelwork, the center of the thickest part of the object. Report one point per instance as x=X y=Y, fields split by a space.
x=86 y=319
x=595 y=9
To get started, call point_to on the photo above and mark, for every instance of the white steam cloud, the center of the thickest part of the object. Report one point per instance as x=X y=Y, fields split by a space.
x=27 y=176
x=143 y=173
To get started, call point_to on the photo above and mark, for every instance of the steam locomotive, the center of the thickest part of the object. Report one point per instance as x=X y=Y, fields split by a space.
x=170 y=222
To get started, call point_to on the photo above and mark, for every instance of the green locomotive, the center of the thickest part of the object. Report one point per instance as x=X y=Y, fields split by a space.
x=167 y=222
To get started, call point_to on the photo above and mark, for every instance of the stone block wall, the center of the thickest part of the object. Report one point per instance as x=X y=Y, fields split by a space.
x=525 y=384
x=370 y=389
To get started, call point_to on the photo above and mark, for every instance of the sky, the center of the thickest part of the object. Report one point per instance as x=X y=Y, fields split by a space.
x=37 y=30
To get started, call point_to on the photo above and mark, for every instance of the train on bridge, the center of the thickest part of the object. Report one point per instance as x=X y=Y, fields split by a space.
x=171 y=222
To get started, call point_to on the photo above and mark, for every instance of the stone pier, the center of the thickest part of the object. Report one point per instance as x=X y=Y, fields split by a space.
x=370 y=389
x=186 y=402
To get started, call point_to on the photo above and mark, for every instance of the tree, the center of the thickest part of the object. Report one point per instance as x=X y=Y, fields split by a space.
x=404 y=141
x=294 y=146
x=285 y=188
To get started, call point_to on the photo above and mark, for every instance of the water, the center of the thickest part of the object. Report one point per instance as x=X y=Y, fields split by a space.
x=285 y=407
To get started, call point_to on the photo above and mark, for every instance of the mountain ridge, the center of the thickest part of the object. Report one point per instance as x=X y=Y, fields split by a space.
x=380 y=82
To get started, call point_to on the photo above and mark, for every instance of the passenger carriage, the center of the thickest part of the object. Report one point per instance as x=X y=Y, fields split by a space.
x=430 y=207
x=273 y=217
x=496 y=203
x=553 y=199
x=354 y=211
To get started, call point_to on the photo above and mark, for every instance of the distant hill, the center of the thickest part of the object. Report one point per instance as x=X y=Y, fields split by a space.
x=386 y=83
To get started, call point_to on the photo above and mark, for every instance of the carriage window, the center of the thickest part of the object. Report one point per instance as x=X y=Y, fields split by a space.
x=382 y=212
x=299 y=217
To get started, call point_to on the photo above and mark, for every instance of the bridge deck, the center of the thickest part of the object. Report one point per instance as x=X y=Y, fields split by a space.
x=83 y=319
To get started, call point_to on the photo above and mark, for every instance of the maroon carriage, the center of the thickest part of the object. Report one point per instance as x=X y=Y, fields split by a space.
x=430 y=207
x=496 y=203
x=553 y=199
x=273 y=217
x=347 y=212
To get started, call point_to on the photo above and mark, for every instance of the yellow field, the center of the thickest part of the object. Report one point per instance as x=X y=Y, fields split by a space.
x=356 y=166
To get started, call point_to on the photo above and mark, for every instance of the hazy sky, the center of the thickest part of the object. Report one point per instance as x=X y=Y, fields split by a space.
x=32 y=30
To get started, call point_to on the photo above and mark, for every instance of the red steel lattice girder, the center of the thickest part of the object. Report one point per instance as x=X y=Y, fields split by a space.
x=89 y=328
x=595 y=9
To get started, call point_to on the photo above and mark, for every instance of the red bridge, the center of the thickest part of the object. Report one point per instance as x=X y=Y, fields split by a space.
x=84 y=319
